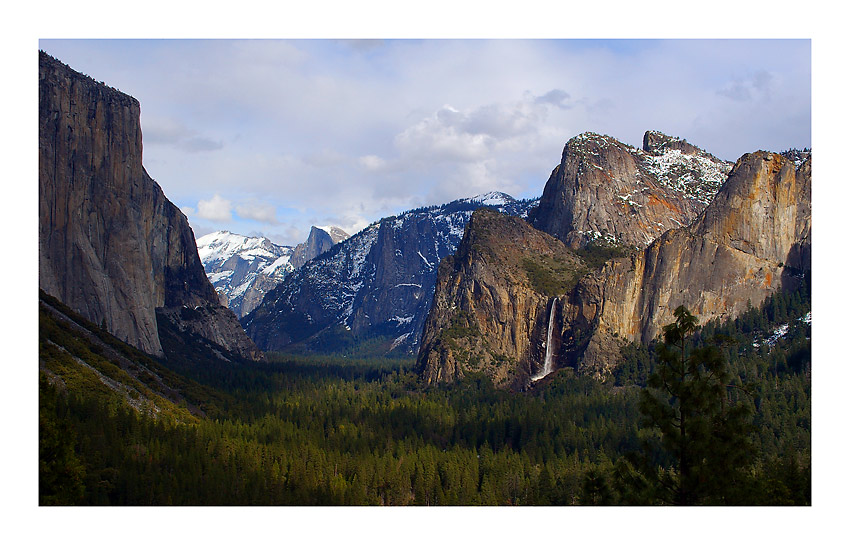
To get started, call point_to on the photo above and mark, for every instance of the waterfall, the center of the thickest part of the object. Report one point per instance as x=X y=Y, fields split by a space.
x=547 y=361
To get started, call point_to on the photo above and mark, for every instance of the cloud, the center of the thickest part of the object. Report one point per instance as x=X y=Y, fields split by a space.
x=199 y=143
x=359 y=130
x=555 y=97
x=501 y=121
x=261 y=212
x=215 y=209
x=755 y=87
x=372 y=163
x=440 y=138
x=472 y=135
x=324 y=157
x=169 y=132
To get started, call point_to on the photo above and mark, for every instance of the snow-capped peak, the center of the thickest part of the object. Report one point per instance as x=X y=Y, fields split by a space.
x=336 y=233
x=235 y=263
x=492 y=198
x=222 y=245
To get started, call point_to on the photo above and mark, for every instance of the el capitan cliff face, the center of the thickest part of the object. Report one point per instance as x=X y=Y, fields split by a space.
x=111 y=245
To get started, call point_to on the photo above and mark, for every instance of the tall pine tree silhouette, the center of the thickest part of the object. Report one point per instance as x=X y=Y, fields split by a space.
x=689 y=399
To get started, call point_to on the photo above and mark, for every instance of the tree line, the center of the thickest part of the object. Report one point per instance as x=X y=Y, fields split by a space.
x=336 y=431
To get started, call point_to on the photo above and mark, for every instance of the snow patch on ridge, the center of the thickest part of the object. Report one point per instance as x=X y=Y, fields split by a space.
x=697 y=176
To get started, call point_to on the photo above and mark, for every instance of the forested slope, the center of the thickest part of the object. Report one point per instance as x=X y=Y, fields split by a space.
x=329 y=431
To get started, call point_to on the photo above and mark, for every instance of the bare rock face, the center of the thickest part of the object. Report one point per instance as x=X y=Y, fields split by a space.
x=604 y=189
x=658 y=142
x=318 y=242
x=753 y=239
x=111 y=246
x=491 y=309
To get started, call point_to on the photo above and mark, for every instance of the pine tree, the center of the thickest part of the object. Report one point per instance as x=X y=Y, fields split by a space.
x=688 y=402
x=61 y=474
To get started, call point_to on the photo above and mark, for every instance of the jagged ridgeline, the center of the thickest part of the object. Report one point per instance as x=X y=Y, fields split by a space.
x=112 y=247
x=243 y=269
x=370 y=293
x=599 y=288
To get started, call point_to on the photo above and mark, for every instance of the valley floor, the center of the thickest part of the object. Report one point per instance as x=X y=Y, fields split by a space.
x=335 y=431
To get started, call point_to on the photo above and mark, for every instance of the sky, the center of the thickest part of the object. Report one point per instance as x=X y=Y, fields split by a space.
x=204 y=101
x=273 y=136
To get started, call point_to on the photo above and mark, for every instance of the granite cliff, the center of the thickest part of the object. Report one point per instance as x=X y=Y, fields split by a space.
x=605 y=189
x=754 y=238
x=111 y=245
x=318 y=242
x=495 y=298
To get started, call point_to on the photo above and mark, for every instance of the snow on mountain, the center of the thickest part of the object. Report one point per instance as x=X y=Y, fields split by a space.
x=493 y=198
x=697 y=176
x=376 y=284
x=216 y=248
x=242 y=268
x=781 y=331
x=336 y=234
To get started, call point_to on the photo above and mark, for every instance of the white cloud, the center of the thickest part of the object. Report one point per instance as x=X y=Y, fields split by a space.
x=323 y=158
x=357 y=131
x=755 y=87
x=215 y=209
x=433 y=140
x=261 y=212
x=472 y=135
x=170 y=132
x=372 y=163
x=555 y=97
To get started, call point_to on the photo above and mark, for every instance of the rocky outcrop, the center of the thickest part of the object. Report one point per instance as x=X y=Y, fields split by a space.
x=493 y=301
x=754 y=238
x=318 y=242
x=111 y=246
x=604 y=189
x=658 y=143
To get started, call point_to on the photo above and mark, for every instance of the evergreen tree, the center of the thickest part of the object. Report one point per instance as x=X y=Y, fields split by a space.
x=707 y=434
x=61 y=474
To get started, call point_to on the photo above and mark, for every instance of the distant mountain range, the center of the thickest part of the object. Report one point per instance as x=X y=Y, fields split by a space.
x=242 y=269
x=619 y=237
x=374 y=289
